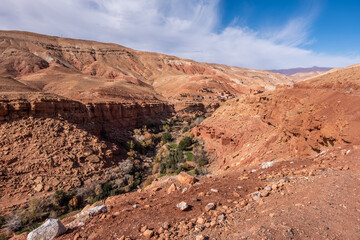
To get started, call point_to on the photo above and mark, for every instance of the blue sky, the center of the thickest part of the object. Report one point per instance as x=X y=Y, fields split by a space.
x=260 y=34
x=333 y=25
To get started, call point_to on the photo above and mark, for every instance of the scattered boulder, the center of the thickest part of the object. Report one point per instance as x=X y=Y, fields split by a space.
x=39 y=187
x=185 y=178
x=165 y=225
x=183 y=206
x=171 y=189
x=265 y=165
x=93 y=159
x=200 y=221
x=256 y=196
x=49 y=230
x=82 y=217
x=210 y=206
x=200 y=237
x=148 y=233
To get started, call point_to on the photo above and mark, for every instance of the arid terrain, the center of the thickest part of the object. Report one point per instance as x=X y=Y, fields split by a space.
x=124 y=144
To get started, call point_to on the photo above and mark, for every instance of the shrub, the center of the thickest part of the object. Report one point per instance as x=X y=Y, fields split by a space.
x=185 y=143
x=186 y=129
x=147 y=182
x=179 y=170
x=107 y=188
x=14 y=223
x=166 y=137
x=59 y=198
x=201 y=158
x=166 y=128
x=37 y=211
x=162 y=168
x=189 y=156
x=2 y=221
x=3 y=236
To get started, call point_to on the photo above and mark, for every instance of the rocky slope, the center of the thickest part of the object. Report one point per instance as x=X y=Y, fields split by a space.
x=85 y=70
x=312 y=117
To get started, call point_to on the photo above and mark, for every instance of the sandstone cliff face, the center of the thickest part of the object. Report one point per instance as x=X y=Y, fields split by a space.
x=115 y=114
x=285 y=124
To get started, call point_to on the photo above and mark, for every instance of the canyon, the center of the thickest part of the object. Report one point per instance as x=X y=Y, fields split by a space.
x=281 y=151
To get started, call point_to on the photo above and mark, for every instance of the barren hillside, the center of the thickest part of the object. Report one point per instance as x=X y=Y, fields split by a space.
x=123 y=144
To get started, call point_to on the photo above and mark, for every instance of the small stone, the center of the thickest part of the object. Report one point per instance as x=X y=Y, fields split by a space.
x=235 y=194
x=255 y=195
x=165 y=225
x=264 y=193
x=161 y=230
x=77 y=236
x=210 y=206
x=183 y=206
x=267 y=188
x=200 y=221
x=143 y=229
x=221 y=218
x=214 y=190
x=171 y=189
x=148 y=233
x=39 y=188
x=200 y=237
x=185 y=178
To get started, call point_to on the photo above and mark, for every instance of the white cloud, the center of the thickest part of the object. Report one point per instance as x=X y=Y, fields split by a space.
x=185 y=28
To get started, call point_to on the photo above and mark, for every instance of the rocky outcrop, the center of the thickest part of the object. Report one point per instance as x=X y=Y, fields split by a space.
x=113 y=113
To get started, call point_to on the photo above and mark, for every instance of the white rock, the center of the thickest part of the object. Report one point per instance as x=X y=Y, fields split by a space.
x=267 y=164
x=210 y=206
x=82 y=217
x=267 y=188
x=49 y=230
x=95 y=211
x=183 y=206
x=214 y=190
x=256 y=196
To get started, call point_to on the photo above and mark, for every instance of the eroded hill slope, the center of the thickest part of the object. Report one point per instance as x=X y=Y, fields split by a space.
x=312 y=117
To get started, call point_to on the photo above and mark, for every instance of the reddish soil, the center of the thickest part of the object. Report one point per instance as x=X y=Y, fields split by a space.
x=317 y=202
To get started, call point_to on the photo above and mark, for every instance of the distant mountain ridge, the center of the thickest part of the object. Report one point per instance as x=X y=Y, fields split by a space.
x=291 y=71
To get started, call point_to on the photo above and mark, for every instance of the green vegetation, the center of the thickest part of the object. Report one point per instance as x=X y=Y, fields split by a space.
x=189 y=156
x=185 y=143
x=166 y=137
x=186 y=129
x=3 y=237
